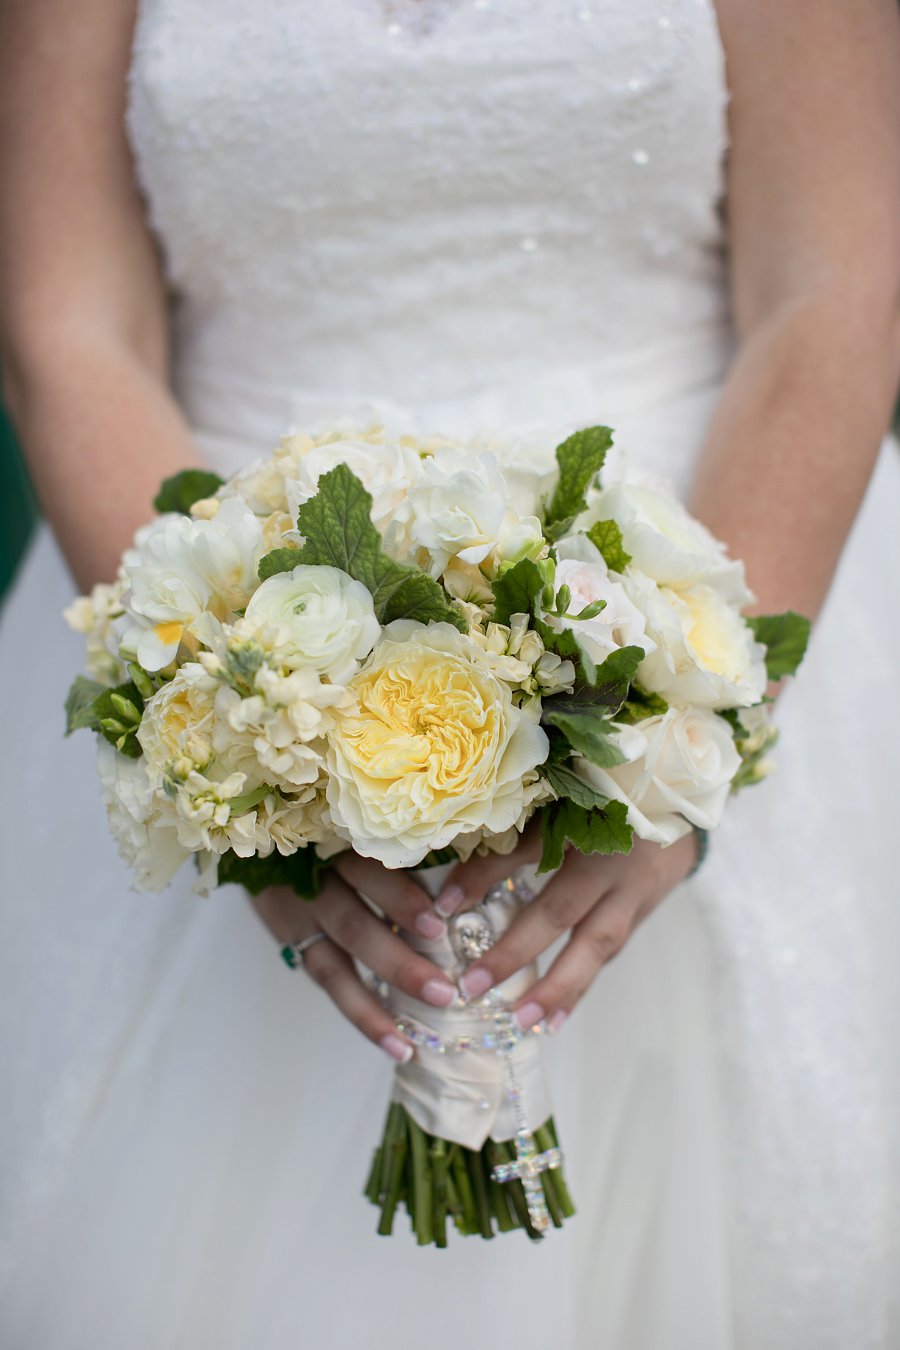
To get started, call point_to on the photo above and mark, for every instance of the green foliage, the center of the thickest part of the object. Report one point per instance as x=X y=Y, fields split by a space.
x=567 y=784
x=599 y=830
x=785 y=636
x=80 y=704
x=279 y=560
x=179 y=492
x=339 y=533
x=606 y=536
x=516 y=590
x=580 y=459
x=302 y=872
x=118 y=715
x=588 y=731
x=640 y=705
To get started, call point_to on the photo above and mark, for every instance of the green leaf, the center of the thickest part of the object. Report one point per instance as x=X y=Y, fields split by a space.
x=785 y=636
x=339 y=533
x=516 y=590
x=118 y=728
x=589 y=731
x=279 y=560
x=614 y=676
x=640 y=705
x=606 y=536
x=603 y=830
x=302 y=872
x=80 y=704
x=179 y=492
x=580 y=459
x=567 y=784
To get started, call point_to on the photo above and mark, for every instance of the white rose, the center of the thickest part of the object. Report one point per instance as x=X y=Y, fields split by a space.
x=143 y=825
x=666 y=542
x=678 y=773
x=435 y=748
x=580 y=567
x=460 y=509
x=316 y=617
x=388 y=471
x=528 y=464
x=183 y=567
x=705 y=653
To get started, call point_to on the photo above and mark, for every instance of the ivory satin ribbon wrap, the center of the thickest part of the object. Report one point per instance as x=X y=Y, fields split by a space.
x=462 y=1097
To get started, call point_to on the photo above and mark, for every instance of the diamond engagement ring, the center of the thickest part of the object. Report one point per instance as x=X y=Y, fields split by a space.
x=293 y=952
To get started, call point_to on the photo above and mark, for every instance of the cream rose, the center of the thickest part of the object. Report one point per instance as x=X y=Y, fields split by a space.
x=678 y=773
x=314 y=617
x=435 y=748
x=705 y=653
x=666 y=542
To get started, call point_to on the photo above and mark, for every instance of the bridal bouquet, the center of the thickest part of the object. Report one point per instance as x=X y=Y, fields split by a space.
x=410 y=648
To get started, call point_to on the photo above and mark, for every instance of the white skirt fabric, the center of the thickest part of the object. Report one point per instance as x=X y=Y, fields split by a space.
x=187 y=1124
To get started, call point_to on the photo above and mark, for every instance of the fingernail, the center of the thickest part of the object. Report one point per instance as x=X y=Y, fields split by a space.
x=429 y=925
x=439 y=992
x=556 y=1021
x=449 y=900
x=475 y=983
x=396 y=1047
x=529 y=1015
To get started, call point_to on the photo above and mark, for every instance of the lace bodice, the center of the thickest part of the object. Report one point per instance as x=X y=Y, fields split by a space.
x=423 y=200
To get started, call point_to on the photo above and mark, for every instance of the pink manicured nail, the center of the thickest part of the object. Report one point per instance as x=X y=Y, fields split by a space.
x=439 y=992
x=429 y=925
x=475 y=983
x=529 y=1015
x=396 y=1047
x=449 y=900
x=556 y=1021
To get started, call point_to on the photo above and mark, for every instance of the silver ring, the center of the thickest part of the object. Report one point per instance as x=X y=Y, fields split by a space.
x=292 y=953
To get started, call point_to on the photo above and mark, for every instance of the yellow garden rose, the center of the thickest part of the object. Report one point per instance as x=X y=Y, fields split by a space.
x=433 y=749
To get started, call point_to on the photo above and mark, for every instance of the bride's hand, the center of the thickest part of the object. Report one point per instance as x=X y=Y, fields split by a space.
x=600 y=899
x=354 y=931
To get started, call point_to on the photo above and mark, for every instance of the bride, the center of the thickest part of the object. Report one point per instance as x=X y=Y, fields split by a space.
x=219 y=221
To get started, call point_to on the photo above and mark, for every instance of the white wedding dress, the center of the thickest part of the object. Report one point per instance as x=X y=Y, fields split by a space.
x=470 y=213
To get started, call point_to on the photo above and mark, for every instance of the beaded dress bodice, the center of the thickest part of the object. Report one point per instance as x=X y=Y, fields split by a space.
x=433 y=202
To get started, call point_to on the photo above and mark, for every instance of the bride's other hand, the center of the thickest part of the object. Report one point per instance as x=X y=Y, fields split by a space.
x=599 y=900
x=353 y=931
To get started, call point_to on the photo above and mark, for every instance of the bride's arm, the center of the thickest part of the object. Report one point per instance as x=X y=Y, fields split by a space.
x=814 y=231
x=814 y=223
x=82 y=305
x=84 y=327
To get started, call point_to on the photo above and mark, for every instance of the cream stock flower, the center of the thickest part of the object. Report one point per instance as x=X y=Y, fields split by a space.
x=678 y=773
x=435 y=748
x=99 y=617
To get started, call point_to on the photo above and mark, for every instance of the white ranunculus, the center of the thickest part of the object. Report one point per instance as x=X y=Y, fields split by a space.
x=678 y=773
x=434 y=748
x=705 y=653
x=666 y=542
x=387 y=470
x=183 y=567
x=143 y=823
x=580 y=567
x=317 y=617
x=460 y=510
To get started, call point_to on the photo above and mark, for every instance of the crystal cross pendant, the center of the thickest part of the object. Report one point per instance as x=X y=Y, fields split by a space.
x=527 y=1168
